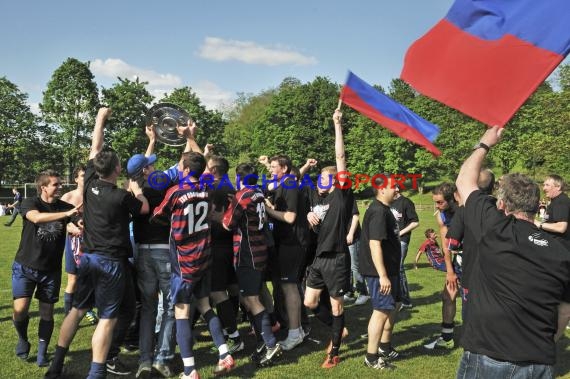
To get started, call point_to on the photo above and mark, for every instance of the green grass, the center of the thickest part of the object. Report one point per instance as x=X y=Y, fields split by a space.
x=414 y=328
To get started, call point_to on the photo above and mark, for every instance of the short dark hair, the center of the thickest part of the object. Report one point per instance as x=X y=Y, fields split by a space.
x=43 y=179
x=519 y=193
x=105 y=162
x=283 y=160
x=428 y=232
x=446 y=190
x=195 y=162
x=247 y=173
x=220 y=163
x=78 y=169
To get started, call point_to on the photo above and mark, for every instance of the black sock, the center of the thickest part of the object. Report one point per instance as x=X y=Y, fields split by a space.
x=385 y=346
x=337 y=327
x=22 y=328
x=227 y=316
x=45 y=330
x=447 y=331
x=235 y=304
x=261 y=320
x=58 y=358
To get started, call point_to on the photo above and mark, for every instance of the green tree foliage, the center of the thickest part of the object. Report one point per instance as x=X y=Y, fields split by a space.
x=22 y=151
x=129 y=101
x=298 y=122
x=69 y=105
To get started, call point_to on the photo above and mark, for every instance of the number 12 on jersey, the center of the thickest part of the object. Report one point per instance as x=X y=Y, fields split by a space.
x=196 y=216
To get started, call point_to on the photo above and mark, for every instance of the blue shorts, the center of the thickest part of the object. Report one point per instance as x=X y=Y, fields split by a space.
x=72 y=254
x=384 y=302
x=45 y=283
x=182 y=290
x=101 y=283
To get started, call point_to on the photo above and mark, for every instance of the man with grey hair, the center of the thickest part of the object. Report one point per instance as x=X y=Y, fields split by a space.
x=558 y=211
x=520 y=279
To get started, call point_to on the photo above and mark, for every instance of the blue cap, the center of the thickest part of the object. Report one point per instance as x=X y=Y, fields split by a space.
x=137 y=162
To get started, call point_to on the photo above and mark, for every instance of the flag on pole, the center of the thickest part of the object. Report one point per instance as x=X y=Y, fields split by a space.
x=378 y=107
x=486 y=57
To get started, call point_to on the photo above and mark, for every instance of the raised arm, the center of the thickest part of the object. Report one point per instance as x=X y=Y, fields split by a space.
x=469 y=173
x=339 y=142
x=149 y=130
x=190 y=132
x=98 y=132
x=307 y=166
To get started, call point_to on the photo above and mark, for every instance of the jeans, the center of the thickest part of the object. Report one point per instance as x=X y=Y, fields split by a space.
x=474 y=366
x=358 y=280
x=403 y=279
x=153 y=267
x=15 y=213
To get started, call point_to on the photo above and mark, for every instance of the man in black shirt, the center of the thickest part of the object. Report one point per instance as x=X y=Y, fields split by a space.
x=330 y=269
x=404 y=211
x=37 y=265
x=380 y=257
x=101 y=275
x=519 y=284
x=557 y=214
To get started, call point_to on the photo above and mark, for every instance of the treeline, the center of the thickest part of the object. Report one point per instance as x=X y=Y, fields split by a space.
x=294 y=118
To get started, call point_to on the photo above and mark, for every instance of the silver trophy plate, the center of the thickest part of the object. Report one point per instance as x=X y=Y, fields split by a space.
x=166 y=118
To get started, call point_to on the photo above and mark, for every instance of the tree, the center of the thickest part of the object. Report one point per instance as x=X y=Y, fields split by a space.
x=19 y=131
x=69 y=105
x=129 y=101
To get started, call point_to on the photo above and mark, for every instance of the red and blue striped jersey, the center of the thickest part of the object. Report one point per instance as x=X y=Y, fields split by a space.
x=246 y=217
x=187 y=208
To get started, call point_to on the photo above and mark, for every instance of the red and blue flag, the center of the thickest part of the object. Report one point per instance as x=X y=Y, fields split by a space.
x=486 y=57
x=380 y=108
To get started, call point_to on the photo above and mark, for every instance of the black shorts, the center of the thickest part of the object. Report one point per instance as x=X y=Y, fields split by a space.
x=182 y=290
x=331 y=271
x=249 y=281
x=291 y=260
x=223 y=272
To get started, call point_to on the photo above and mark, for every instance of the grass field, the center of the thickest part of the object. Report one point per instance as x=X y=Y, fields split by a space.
x=413 y=329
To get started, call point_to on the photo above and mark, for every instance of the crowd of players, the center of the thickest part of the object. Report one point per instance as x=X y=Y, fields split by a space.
x=203 y=247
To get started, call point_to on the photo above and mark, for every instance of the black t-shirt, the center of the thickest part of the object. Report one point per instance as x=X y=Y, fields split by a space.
x=41 y=245
x=379 y=224
x=404 y=211
x=559 y=210
x=220 y=201
x=106 y=216
x=143 y=230
x=521 y=275
x=335 y=223
x=354 y=212
x=287 y=197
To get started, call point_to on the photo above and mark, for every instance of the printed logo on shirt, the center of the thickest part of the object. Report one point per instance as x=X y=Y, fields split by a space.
x=95 y=191
x=397 y=215
x=50 y=231
x=534 y=238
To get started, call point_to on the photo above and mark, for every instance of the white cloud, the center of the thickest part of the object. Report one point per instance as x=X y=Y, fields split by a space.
x=112 y=68
x=218 y=49
x=35 y=108
x=210 y=94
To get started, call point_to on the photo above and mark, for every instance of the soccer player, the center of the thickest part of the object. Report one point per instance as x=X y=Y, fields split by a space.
x=102 y=279
x=246 y=217
x=330 y=269
x=380 y=257
x=37 y=265
x=186 y=206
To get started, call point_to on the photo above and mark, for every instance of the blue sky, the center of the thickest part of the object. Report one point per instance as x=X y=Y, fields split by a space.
x=219 y=48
